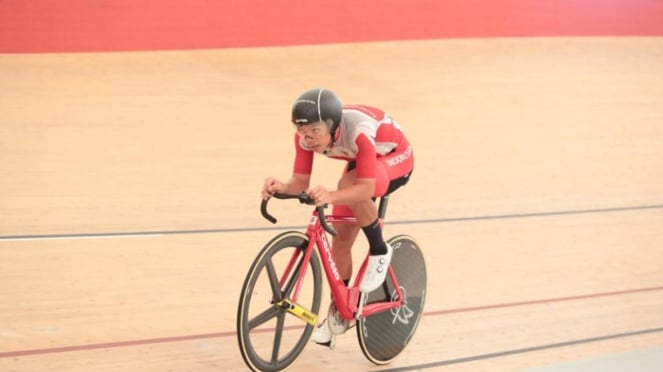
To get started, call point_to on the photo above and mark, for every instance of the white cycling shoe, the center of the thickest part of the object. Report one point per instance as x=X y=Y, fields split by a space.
x=325 y=333
x=323 y=336
x=376 y=271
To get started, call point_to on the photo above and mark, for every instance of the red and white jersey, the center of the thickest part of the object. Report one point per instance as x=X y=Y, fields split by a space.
x=364 y=134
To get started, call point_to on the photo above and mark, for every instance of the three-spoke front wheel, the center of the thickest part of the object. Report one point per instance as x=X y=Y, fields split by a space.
x=270 y=338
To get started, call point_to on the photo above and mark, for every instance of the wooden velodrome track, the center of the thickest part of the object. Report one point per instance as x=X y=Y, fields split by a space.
x=130 y=191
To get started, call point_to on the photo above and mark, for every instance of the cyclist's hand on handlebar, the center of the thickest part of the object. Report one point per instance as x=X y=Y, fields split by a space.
x=321 y=195
x=272 y=186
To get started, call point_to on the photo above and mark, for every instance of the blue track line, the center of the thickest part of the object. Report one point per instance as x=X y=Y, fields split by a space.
x=268 y=228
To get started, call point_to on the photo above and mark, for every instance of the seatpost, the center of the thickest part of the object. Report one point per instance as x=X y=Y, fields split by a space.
x=382 y=208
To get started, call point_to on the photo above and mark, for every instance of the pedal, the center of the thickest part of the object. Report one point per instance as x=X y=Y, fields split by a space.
x=298 y=311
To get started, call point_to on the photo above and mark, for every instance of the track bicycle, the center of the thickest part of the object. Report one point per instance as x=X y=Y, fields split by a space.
x=280 y=299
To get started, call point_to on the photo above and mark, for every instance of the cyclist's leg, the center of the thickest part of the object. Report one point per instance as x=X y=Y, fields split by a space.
x=391 y=172
x=342 y=248
x=365 y=212
x=342 y=253
x=347 y=234
x=379 y=251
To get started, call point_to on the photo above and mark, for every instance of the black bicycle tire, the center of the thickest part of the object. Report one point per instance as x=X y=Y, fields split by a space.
x=290 y=239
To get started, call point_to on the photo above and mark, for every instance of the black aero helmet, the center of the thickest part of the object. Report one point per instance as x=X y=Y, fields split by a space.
x=316 y=105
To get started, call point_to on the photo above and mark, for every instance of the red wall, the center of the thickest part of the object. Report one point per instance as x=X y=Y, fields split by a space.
x=108 y=25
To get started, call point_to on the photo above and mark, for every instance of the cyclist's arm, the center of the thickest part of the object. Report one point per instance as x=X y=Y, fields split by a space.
x=301 y=169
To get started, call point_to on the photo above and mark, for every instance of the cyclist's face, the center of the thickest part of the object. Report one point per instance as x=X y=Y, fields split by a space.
x=316 y=136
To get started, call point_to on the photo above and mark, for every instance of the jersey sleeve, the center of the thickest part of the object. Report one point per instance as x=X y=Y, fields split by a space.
x=366 y=157
x=303 y=158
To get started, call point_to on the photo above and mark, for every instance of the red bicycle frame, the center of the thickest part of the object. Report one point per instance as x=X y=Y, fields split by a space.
x=347 y=298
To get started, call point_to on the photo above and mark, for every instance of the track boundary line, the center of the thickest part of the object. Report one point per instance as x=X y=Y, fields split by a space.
x=531 y=349
x=544 y=301
x=130 y=234
x=109 y=345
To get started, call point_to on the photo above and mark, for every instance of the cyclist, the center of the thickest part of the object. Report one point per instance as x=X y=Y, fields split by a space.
x=379 y=161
